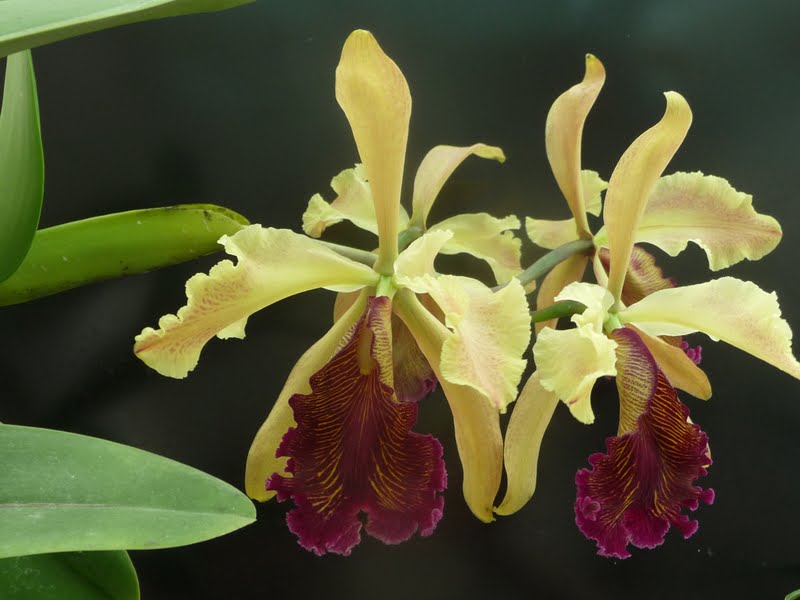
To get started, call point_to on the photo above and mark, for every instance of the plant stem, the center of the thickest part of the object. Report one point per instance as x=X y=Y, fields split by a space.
x=552 y=258
x=564 y=308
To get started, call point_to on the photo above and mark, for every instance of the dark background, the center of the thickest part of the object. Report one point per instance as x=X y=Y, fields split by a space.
x=237 y=108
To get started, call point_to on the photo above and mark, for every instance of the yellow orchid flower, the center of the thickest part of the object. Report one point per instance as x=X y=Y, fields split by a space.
x=680 y=208
x=338 y=440
x=634 y=492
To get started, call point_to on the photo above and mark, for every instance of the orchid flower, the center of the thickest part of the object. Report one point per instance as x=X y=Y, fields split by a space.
x=338 y=440
x=637 y=490
x=680 y=208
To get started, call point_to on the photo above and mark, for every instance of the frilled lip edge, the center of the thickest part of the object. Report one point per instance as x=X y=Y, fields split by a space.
x=353 y=451
x=634 y=492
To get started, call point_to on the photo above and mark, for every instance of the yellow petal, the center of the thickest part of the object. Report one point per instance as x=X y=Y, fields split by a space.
x=434 y=171
x=592 y=185
x=273 y=264
x=679 y=368
x=375 y=97
x=343 y=302
x=261 y=460
x=477 y=423
x=734 y=311
x=597 y=300
x=353 y=203
x=564 y=273
x=706 y=210
x=485 y=237
x=633 y=179
x=570 y=361
x=490 y=332
x=532 y=413
x=563 y=133
x=417 y=260
x=551 y=234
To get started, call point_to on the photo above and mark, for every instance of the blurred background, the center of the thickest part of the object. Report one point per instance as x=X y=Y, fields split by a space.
x=238 y=109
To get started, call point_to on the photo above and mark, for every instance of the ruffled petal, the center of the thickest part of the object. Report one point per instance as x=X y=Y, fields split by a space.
x=563 y=274
x=551 y=234
x=374 y=95
x=476 y=422
x=353 y=203
x=273 y=264
x=640 y=487
x=633 y=179
x=591 y=355
x=563 y=134
x=678 y=366
x=532 y=413
x=353 y=450
x=490 y=332
x=593 y=185
x=706 y=210
x=261 y=460
x=434 y=171
x=488 y=238
x=644 y=276
x=734 y=311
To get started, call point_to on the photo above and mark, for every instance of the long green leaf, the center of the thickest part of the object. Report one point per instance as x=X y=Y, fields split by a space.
x=69 y=576
x=81 y=252
x=61 y=492
x=30 y=23
x=21 y=162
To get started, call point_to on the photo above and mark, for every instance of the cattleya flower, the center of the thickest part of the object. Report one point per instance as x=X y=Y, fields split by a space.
x=638 y=489
x=338 y=440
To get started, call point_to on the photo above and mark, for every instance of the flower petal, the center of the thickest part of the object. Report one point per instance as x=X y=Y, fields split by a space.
x=564 y=273
x=261 y=460
x=597 y=300
x=353 y=203
x=633 y=179
x=734 y=311
x=417 y=260
x=477 y=423
x=679 y=368
x=563 y=133
x=551 y=234
x=591 y=355
x=532 y=413
x=273 y=264
x=353 y=450
x=485 y=237
x=706 y=210
x=639 y=488
x=491 y=331
x=435 y=169
x=374 y=95
x=592 y=185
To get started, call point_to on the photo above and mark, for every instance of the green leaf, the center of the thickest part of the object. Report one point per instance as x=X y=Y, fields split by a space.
x=81 y=252
x=21 y=162
x=69 y=576
x=61 y=491
x=30 y=23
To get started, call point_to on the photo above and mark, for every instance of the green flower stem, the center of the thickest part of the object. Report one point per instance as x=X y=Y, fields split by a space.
x=552 y=258
x=564 y=308
x=360 y=256
x=407 y=236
